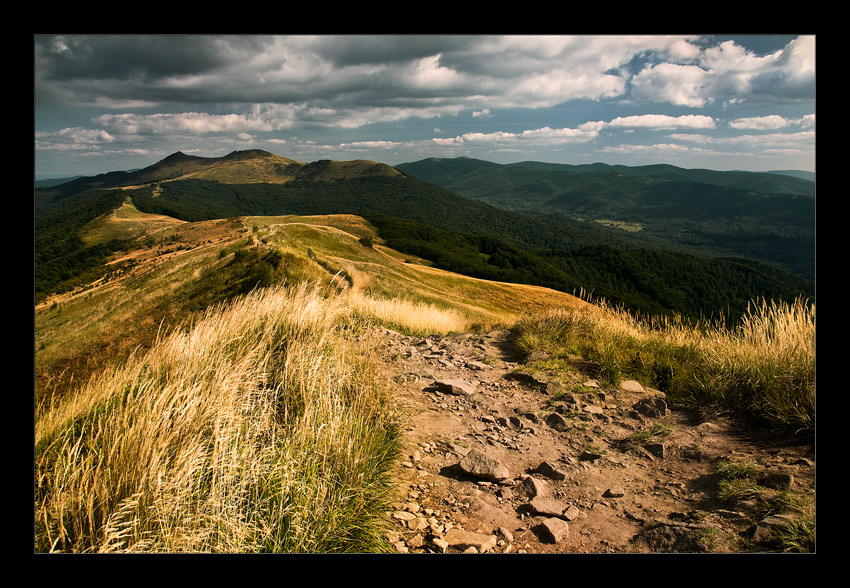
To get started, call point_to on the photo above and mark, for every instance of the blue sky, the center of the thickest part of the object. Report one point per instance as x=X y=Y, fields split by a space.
x=105 y=103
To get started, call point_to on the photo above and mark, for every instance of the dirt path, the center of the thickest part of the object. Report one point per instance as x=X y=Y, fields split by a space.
x=574 y=467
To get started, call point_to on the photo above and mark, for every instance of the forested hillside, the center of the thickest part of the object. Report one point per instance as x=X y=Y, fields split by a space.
x=762 y=216
x=678 y=268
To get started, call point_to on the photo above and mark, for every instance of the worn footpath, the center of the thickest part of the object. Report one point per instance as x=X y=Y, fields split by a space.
x=502 y=459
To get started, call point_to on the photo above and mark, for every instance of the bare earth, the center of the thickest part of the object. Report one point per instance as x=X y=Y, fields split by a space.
x=596 y=492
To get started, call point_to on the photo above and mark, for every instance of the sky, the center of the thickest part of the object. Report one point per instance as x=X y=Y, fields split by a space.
x=120 y=102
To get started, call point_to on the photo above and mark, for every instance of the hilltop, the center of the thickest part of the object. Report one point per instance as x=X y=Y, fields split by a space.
x=252 y=166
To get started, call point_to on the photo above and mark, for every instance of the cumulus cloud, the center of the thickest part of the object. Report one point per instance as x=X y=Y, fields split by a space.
x=682 y=85
x=663 y=121
x=189 y=123
x=771 y=122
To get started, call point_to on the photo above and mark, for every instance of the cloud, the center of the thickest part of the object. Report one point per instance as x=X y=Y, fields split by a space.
x=771 y=122
x=162 y=92
x=663 y=121
x=187 y=123
x=75 y=138
x=681 y=85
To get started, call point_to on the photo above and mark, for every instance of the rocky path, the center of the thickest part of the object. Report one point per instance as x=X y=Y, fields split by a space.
x=503 y=460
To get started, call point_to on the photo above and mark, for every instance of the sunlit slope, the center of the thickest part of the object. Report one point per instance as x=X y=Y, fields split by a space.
x=127 y=222
x=384 y=273
x=180 y=268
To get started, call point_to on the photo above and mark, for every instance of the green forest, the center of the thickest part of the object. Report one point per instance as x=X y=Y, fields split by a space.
x=648 y=282
x=642 y=273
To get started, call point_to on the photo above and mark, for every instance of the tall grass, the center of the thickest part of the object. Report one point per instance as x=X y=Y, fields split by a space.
x=411 y=317
x=258 y=429
x=763 y=368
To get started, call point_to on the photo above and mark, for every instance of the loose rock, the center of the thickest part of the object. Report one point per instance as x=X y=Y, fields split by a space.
x=555 y=529
x=485 y=467
x=457 y=387
x=463 y=540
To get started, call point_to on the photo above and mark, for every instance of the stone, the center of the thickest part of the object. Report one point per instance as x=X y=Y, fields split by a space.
x=656 y=449
x=557 y=422
x=464 y=540
x=546 y=506
x=778 y=480
x=766 y=528
x=552 y=471
x=417 y=524
x=632 y=386
x=506 y=533
x=441 y=544
x=531 y=487
x=555 y=388
x=651 y=407
x=555 y=529
x=615 y=492
x=484 y=467
x=572 y=513
x=664 y=538
x=477 y=365
x=455 y=386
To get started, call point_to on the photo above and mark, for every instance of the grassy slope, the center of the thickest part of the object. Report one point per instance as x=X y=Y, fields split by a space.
x=258 y=425
x=261 y=425
x=179 y=266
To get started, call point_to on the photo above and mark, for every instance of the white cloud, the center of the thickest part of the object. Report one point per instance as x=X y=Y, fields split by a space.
x=800 y=140
x=681 y=85
x=188 y=123
x=75 y=138
x=761 y=123
x=663 y=121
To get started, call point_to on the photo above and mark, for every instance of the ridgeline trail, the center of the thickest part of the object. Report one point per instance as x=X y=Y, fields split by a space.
x=499 y=459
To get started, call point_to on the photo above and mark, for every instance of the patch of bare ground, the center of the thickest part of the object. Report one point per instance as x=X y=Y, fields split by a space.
x=503 y=461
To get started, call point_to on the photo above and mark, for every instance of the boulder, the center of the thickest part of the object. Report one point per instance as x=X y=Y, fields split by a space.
x=651 y=407
x=550 y=507
x=463 y=540
x=552 y=471
x=555 y=529
x=455 y=386
x=531 y=487
x=557 y=422
x=483 y=466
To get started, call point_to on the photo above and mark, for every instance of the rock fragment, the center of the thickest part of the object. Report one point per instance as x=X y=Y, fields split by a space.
x=546 y=506
x=651 y=407
x=530 y=488
x=557 y=422
x=555 y=529
x=552 y=471
x=464 y=540
x=484 y=467
x=455 y=386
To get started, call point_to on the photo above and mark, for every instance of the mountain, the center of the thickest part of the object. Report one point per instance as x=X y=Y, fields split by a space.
x=443 y=171
x=413 y=216
x=761 y=216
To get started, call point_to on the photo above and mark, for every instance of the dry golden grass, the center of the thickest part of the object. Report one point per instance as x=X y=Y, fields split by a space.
x=256 y=429
x=763 y=368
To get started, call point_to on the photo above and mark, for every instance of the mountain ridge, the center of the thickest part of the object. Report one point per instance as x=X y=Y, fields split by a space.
x=471 y=236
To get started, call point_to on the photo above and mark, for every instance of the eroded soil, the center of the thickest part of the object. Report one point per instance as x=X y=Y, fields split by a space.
x=613 y=475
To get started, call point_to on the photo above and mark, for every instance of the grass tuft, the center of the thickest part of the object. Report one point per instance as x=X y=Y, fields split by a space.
x=762 y=369
x=257 y=429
